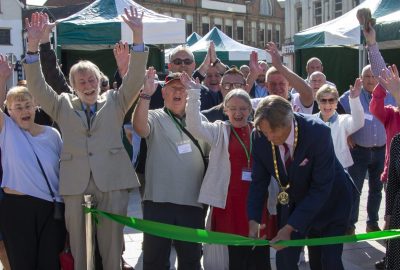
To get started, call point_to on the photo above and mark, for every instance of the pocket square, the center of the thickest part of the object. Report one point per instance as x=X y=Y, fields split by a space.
x=304 y=162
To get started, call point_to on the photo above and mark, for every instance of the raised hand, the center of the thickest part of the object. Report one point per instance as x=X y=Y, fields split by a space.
x=390 y=80
x=370 y=35
x=135 y=23
x=48 y=27
x=150 y=85
x=273 y=51
x=255 y=67
x=35 y=28
x=355 y=90
x=122 y=56
x=5 y=69
x=189 y=82
x=211 y=51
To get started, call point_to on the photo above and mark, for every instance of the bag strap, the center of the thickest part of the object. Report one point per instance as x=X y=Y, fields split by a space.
x=41 y=168
x=192 y=138
x=196 y=142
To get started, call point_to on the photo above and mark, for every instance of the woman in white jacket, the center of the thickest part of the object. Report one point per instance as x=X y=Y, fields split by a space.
x=228 y=177
x=342 y=125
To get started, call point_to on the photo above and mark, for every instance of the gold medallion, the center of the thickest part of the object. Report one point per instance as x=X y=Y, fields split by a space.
x=283 y=197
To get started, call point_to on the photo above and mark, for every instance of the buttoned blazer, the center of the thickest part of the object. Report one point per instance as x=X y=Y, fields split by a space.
x=97 y=150
x=317 y=180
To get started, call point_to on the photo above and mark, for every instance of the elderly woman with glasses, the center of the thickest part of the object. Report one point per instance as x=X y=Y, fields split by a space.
x=30 y=156
x=342 y=125
x=227 y=180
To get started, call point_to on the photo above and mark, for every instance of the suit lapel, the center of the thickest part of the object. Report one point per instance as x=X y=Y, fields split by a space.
x=297 y=156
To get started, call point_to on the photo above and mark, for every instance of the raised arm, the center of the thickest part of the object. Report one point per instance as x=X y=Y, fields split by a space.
x=141 y=114
x=200 y=129
x=48 y=60
x=122 y=56
x=357 y=119
x=133 y=80
x=255 y=71
x=5 y=72
x=41 y=91
x=305 y=91
x=374 y=55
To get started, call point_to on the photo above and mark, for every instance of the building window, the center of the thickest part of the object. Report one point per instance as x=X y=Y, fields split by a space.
x=218 y=23
x=228 y=27
x=269 y=33
x=253 y=33
x=239 y=31
x=317 y=13
x=261 y=39
x=356 y=3
x=5 y=36
x=189 y=25
x=299 y=19
x=205 y=25
x=278 y=35
x=338 y=8
x=265 y=8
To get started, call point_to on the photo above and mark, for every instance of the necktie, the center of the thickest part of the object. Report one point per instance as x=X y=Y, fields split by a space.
x=287 y=158
x=88 y=113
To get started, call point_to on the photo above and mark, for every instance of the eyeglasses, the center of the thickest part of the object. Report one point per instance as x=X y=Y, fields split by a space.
x=20 y=109
x=229 y=86
x=178 y=61
x=241 y=109
x=327 y=100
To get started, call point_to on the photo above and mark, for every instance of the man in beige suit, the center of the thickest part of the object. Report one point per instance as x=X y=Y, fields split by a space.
x=93 y=159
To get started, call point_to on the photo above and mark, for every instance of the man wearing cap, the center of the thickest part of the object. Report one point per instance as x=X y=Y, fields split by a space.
x=174 y=172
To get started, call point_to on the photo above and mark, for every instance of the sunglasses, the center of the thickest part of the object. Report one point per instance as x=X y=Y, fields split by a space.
x=327 y=100
x=178 y=61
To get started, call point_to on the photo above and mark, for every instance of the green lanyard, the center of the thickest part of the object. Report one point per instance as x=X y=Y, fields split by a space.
x=248 y=153
x=177 y=124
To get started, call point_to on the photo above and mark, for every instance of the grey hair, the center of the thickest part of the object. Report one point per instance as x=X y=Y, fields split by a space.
x=315 y=73
x=239 y=93
x=276 y=110
x=84 y=66
x=181 y=48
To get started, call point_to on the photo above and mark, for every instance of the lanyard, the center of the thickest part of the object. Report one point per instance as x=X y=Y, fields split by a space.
x=242 y=143
x=177 y=124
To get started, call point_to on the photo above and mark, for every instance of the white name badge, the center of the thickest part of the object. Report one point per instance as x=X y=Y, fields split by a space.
x=246 y=174
x=184 y=147
x=368 y=117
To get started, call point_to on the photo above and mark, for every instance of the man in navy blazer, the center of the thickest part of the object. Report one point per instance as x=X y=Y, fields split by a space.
x=315 y=192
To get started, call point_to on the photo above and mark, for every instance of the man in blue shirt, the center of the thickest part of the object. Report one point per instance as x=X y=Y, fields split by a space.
x=368 y=153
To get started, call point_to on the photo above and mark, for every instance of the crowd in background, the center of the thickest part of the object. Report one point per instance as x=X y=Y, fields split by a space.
x=254 y=150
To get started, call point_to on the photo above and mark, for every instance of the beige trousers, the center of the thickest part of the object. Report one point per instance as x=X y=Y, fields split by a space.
x=109 y=234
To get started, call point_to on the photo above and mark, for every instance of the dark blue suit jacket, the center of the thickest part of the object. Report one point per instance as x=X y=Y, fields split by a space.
x=318 y=189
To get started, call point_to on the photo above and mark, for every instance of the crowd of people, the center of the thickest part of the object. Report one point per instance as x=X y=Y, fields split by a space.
x=254 y=150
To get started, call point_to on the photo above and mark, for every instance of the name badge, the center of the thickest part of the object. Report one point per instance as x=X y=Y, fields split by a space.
x=246 y=174
x=368 y=117
x=184 y=147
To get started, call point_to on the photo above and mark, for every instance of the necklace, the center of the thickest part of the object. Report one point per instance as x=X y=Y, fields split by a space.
x=283 y=196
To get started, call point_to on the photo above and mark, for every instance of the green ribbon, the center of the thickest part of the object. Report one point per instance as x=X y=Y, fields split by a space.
x=204 y=236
